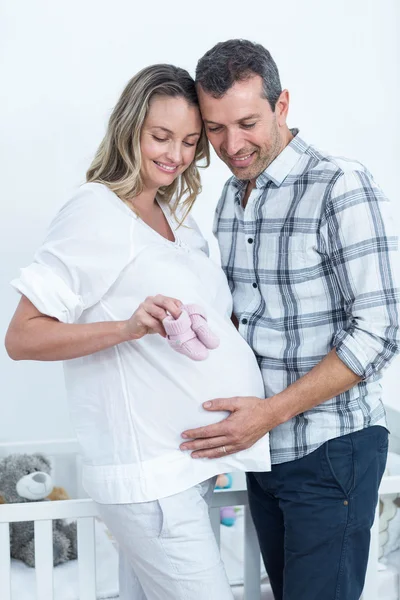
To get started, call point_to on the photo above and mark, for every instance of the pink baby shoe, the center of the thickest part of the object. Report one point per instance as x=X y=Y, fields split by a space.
x=200 y=326
x=182 y=338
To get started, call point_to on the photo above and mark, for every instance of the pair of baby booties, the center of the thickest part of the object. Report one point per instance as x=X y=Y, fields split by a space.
x=190 y=333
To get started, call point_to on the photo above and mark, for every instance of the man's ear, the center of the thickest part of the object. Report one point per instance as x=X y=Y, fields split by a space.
x=282 y=108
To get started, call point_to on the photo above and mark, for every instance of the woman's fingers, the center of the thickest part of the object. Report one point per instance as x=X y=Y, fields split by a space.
x=160 y=306
x=150 y=314
x=151 y=324
x=155 y=311
x=168 y=305
x=157 y=327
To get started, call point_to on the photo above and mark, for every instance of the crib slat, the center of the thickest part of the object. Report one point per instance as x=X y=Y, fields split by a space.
x=216 y=524
x=44 y=559
x=252 y=563
x=86 y=559
x=5 y=561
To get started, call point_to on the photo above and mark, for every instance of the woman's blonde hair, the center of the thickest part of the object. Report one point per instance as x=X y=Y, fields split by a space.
x=117 y=163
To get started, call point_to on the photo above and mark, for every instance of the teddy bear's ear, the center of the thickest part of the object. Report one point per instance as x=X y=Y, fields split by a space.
x=43 y=459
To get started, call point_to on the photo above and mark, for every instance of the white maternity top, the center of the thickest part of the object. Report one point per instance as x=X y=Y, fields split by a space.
x=130 y=403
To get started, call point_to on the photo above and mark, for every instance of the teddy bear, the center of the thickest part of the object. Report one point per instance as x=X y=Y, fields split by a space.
x=26 y=478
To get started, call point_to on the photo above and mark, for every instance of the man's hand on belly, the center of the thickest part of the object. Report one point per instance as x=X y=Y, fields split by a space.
x=250 y=419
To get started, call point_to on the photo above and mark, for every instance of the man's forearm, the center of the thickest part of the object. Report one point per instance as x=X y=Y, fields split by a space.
x=326 y=380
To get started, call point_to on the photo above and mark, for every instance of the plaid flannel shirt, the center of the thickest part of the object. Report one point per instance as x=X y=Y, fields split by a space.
x=310 y=262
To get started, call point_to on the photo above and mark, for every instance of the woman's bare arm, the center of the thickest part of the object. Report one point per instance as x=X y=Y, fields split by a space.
x=35 y=336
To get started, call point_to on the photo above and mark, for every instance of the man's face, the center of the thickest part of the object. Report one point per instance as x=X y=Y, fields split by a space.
x=242 y=128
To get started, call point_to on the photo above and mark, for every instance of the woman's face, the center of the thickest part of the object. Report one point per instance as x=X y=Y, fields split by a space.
x=168 y=140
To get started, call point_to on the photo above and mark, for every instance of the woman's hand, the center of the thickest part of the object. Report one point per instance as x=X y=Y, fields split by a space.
x=149 y=316
x=33 y=335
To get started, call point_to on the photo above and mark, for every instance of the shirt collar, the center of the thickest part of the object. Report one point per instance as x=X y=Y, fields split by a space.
x=280 y=168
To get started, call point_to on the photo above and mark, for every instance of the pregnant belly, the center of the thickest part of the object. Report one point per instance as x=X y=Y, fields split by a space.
x=179 y=386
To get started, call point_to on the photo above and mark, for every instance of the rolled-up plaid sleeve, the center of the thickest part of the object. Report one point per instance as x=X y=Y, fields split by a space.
x=87 y=246
x=361 y=240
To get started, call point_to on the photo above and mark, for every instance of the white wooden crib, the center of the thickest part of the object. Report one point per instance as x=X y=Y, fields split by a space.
x=64 y=456
x=84 y=511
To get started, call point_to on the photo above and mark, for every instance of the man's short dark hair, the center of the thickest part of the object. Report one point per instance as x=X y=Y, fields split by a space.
x=237 y=60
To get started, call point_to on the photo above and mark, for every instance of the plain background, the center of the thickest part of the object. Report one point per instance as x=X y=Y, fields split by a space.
x=63 y=66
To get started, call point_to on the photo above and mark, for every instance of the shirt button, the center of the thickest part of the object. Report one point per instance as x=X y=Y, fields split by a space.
x=244 y=321
x=255 y=285
x=250 y=240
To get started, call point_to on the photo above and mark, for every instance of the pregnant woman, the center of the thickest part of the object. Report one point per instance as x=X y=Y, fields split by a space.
x=122 y=265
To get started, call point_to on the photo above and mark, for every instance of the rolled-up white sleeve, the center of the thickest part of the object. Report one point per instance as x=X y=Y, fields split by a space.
x=87 y=246
x=363 y=251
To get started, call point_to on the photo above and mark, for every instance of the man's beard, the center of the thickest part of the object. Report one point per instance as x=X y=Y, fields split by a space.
x=265 y=156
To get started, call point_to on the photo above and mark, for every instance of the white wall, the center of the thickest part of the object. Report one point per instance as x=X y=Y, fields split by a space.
x=63 y=67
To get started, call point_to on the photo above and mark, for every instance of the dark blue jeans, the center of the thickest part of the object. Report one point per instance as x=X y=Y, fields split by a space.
x=313 y=517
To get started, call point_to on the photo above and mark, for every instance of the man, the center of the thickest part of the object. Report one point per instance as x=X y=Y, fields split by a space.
x=308 y=249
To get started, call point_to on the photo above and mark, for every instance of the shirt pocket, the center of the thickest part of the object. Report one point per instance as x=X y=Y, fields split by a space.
x=289 y=269
x=290 y=258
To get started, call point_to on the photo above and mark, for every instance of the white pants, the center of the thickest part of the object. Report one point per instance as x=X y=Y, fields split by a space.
x=167 y=549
